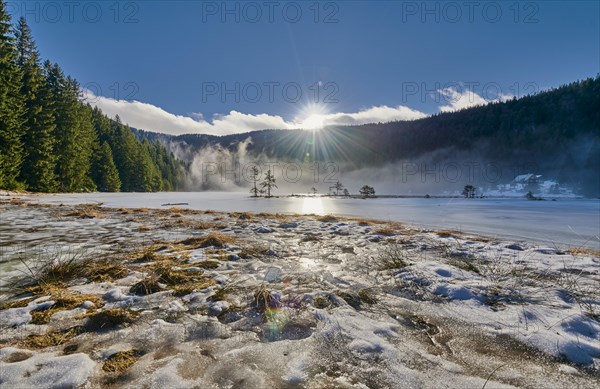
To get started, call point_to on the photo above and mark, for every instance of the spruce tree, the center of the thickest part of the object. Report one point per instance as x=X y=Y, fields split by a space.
x=76 y=138
x=38 y=141
x=107 y=176
x=11 y=106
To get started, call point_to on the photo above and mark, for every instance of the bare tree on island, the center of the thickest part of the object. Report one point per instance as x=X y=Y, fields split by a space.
x=268 y=182
x=254 y=190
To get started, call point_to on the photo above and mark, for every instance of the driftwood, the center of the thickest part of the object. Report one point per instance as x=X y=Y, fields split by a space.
x=172 y=204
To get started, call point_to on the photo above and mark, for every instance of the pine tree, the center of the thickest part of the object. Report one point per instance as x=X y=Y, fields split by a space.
x=38 y=141
x=268 y=182
x=11 y=106
x=76 y=138
x=106 y=173
x=254 y=190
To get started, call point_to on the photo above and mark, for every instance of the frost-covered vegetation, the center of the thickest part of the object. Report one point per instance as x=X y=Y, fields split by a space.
x=188 y=298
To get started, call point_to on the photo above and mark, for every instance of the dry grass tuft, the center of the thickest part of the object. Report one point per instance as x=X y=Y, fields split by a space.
x=584 y=251
x=185 y=289
x=17 y=303
x=327 y=219
x=150 y=255
x=51 y=339
x=241 y=215
x=211 y=240
x=366 y=296
x=310 y=238
x=207 y=264
x=392 y=257
x=64 y=299
x=166 y=273
x=109 y=319
x=61 y=271
x=448 y=233
x=145 y=287
x=86 y=212
x=203 y=225
x=254 y=251
x=121 y=361
x=105 y=270
x=387 y=231
x=363 y=222
x=262 y=299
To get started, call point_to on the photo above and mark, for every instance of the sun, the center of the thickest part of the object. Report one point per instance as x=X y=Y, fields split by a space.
x=312 y=117
x=313 y=122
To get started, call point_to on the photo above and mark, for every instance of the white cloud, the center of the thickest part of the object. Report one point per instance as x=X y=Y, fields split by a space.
x=155 y=119
x=458 y=100
x=373 y=115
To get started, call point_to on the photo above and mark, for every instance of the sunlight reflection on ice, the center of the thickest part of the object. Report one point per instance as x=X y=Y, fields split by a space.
x=312 y=205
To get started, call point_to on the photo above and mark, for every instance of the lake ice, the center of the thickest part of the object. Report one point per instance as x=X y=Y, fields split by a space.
x=570 y=222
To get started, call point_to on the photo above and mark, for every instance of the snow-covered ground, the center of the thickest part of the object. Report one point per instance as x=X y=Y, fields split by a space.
x=564 y=222
x=290 y=301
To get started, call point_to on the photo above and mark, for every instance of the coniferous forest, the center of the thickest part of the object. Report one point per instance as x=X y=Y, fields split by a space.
x=52 y=141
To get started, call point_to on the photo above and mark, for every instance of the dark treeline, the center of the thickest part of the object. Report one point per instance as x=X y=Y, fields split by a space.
x=555 y=133
x=51 y=141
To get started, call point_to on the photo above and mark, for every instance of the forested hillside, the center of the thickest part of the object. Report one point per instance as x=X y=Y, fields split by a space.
x=52 y=141
x=555 y=133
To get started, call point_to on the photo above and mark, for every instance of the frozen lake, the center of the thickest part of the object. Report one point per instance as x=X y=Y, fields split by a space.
x=572 y=222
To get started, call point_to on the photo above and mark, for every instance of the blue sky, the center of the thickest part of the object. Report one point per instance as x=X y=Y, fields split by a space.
x=376 y=60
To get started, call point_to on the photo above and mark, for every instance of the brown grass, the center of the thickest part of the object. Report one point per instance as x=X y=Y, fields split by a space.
x=185 y=289
x=262 y=299
x=17 y=304
x=121 y=361
x=64 y=299
x=207 y=265
x=86 y=212
x=51 y=339
x=327 y=219
x=213 y=239
x=584 y=251
x=203 y=225
x=104 y=270
x=241 y=215
x=448 y=233
x=310 y=238
x=366 y=296
x=109 y=319
x=145 y=287
x=253 y=251
x=387 y=231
